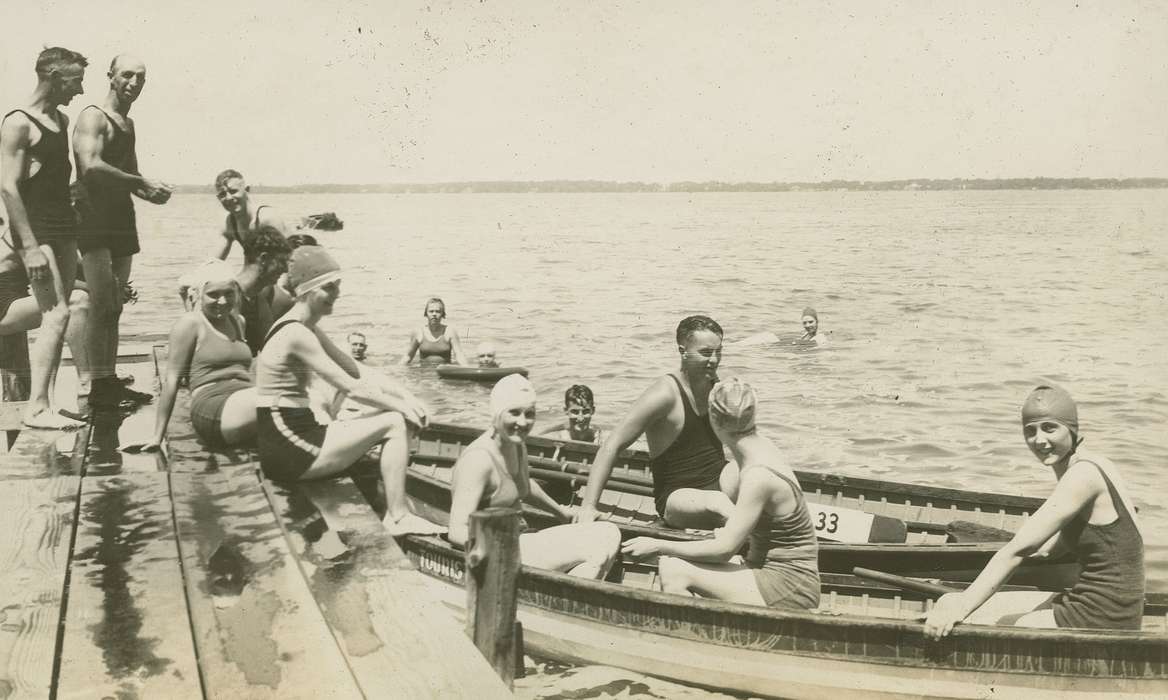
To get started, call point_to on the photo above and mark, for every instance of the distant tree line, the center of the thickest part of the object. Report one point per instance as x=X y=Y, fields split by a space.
x=1019 y=183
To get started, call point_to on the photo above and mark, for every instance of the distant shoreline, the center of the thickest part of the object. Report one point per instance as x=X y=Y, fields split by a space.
x=926 y=185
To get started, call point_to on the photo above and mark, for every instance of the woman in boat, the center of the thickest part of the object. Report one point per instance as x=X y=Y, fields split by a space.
x=492 y=471
x=292 y=444
x=207 y=348
x=579 y=407
x=781 y=567
x=1089 y=513
x=435 y=339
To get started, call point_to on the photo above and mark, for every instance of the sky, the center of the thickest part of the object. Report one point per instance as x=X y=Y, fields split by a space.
x=345 y=91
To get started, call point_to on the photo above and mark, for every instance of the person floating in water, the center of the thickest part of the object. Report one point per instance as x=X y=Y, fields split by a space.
x=579 y=407
x=693 y=483
x=1090 y=514
x=358 y=346
x=485 y=354
x=811 y=328
x=435 y=339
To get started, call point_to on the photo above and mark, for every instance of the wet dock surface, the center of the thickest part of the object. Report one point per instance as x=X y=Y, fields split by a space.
x=185 y=575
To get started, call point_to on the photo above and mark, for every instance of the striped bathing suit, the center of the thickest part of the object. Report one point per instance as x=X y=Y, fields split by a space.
x=288 y=436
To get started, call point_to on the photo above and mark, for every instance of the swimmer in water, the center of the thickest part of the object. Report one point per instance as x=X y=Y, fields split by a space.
x=357 y=346
x=811 y=327
x=579 y=407
x=485 y=354
x=435 y=339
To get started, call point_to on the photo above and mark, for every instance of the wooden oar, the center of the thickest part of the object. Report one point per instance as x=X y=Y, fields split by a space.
x=908 y=584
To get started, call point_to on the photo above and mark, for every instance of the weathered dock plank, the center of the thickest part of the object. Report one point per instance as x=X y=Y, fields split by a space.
x=36 y=517
x=398 y=638
x=127 y=634
x=184 y=453
x=113 y=429
x=258 y=632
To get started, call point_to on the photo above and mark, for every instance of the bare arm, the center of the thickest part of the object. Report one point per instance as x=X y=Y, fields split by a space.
x=184 y=336
x=457 y=356
x=756 y=489
x=1076 y=491
x=411 y=349
x=468 y=484
x=539 y=498
x=225 y=244
x=14 y=144
x=89 y=139
x=346 y=361
x=269 y=217
x=652 y=406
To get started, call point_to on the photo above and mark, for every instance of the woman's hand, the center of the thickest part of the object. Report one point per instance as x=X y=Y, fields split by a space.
x=949 y=610
x=641 y=547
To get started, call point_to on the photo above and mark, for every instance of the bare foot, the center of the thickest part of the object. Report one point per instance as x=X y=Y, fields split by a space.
x=48 y=420
x=410 y=524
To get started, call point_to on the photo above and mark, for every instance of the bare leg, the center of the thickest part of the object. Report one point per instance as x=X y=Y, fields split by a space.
x=237 y=422
x=52 y=299
x=75 y=337
x=23 y=315
x=698 y=508
x=122 y=268
x=730 y=582
x=99 y=275
x=584 y=550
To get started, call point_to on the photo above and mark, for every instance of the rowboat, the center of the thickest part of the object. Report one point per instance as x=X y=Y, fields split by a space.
x=865 y=640
x=932 y=521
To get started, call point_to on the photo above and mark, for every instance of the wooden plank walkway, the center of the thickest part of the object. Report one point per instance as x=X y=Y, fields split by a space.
x=184 y=575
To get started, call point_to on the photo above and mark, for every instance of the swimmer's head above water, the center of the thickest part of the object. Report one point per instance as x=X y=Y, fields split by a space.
x=485 y=354
x=357 y=345
x=435 y=311
x=579 y=406
x=810 y=322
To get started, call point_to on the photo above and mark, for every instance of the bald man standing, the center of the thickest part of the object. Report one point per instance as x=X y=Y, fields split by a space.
x=107 y=170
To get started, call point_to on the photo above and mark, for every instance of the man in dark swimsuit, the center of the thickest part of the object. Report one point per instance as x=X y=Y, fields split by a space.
x=34 y=185
x=242 y=220
x=107 y=174
x=265 y=258
x=693 y=484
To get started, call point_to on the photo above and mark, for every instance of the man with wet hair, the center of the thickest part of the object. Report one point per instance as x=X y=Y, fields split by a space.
x=104 y=146
x=693 y=483
x=245 y=217
x=357 y=345
x=265 y=258
x=34 y=186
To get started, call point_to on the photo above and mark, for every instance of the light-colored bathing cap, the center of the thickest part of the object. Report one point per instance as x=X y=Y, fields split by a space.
x=206 y=273
x=808 y=311
x=510 y=392
x=1051 y=403
x=732 y=404
x=310 y=269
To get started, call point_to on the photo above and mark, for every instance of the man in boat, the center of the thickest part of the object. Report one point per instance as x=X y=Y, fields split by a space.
x=107 y=175
x=693 y=483
x=34 y=185
x=245 y=217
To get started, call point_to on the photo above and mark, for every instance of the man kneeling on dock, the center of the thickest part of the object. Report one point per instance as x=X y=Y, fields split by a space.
x=693 y=483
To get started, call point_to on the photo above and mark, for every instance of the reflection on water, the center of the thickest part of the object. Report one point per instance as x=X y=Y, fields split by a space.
x=943 y=309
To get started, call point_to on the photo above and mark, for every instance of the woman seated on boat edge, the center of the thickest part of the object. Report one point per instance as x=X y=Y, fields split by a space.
x=781 y=568
x=207 y=351
x=1089 y=513
x=493 y=472
x=292 y=445
x=579 y=407
x=435 y=340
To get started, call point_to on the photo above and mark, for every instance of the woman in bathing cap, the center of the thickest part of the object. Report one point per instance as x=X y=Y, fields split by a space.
x=810 y=320
x=292 y=445
x=207 y=349
x=781 y=567
x=492 y=471
x=1089 y=513
x=435 y=339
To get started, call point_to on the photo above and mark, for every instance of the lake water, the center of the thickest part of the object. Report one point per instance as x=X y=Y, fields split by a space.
x=943 y=309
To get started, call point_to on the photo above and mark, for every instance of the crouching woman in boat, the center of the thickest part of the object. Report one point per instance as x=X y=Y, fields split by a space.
x=292 y=444
x=207 y=347
x=781 y=567
x=492 y=472
x=1089 y=513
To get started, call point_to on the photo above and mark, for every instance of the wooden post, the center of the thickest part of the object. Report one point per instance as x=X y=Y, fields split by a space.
x=492 y=565
x=14 y=373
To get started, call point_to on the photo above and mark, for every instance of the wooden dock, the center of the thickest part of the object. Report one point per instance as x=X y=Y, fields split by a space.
x=186 y=575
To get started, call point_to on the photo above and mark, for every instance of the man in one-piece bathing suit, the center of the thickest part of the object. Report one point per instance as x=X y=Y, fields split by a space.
x=242 y=221
x=107 y=176
x=34 y=185
x=693 y=483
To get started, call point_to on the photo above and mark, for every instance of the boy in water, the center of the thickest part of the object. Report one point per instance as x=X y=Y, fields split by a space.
x=485 y=354
x=579 y=407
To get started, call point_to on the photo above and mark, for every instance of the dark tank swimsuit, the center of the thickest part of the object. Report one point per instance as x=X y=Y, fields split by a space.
x=46 y=193
x=1110 y=591
x=693 y=461
x=784 y=554
x=439 y=347
x=107 y=213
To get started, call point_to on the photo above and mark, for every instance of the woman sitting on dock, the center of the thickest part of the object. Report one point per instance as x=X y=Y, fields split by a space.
x=292 y=444
x=1089 y=513
x=435 y=339
x=781 y=567
x=493 y=472
x=207 y=347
